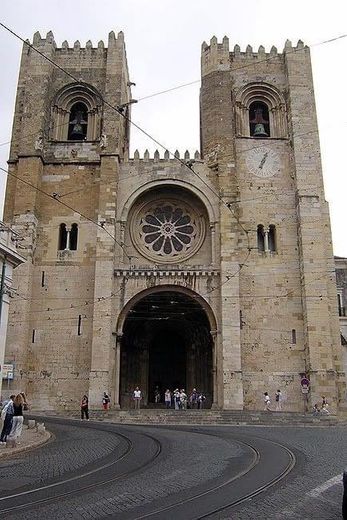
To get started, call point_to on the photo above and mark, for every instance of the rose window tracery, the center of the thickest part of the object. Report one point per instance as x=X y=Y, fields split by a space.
x=168 y=229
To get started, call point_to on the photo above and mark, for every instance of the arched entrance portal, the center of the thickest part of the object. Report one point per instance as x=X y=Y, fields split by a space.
x=166 y=343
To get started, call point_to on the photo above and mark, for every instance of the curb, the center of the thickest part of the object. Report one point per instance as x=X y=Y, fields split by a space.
x=8 y=452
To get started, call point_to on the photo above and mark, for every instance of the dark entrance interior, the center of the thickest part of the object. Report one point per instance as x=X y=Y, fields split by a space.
x=166 y=344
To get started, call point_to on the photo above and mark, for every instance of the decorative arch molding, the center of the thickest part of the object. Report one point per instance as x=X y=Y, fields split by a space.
x=164 y=288
x=65 y=99
x=262 y=93
x=151 y=185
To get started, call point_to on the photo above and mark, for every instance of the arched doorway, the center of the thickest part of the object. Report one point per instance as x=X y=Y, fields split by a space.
x=166 y=343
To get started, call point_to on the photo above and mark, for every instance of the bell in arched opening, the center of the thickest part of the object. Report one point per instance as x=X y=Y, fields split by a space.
x=259 y=120
x=78 y=122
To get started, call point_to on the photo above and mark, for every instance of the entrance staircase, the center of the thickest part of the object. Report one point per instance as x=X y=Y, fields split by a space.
x=211 y=417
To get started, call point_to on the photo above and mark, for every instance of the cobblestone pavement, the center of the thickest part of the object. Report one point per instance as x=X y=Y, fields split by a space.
x=321 y=459
x=70 y=450
x=186 y=461
x=193 y=459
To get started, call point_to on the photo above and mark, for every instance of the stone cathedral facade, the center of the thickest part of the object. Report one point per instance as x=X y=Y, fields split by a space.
x=213 y=271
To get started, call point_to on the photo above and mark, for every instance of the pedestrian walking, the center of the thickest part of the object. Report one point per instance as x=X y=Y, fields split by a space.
x=17 y=421
x=84 y=408
x=105 y=401
x=137 y=396
x=7 y=417
x=278 y=399
x=168 y=398
x=266 y=402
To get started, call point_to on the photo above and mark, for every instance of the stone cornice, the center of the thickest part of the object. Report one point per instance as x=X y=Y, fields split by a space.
x=175 y=273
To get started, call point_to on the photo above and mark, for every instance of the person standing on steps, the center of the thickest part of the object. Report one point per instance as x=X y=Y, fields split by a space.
x=137 y=396
x=84 y=408
x=278 y=399
x=168 y=399
x=177 y=399
x=105 y=401
x=183 y=399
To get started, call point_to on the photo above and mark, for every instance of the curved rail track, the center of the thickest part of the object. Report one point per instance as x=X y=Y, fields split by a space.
x=250 y=481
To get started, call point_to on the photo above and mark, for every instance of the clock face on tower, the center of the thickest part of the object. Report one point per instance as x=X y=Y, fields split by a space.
x=263 y=162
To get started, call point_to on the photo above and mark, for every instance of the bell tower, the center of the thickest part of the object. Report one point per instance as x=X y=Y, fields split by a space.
x=258 y=122
x=67 y=145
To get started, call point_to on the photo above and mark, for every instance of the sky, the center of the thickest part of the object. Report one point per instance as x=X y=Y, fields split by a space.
x=163 y=41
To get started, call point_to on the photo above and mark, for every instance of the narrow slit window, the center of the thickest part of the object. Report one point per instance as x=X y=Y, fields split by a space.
x=43 y=279
x=73 y=237
x=260 y=238
x=272 y=238
x=293 y=336
x=33 y=336
x=62 y=237
x=79 y=326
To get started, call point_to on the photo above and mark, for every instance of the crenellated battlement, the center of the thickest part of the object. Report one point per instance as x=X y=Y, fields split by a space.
x=217 y=56
x=49 y=40
x=166 y=156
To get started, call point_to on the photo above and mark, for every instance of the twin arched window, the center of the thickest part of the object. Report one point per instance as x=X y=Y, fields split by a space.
x=76 y=114
x=266 y=239
x=68 y=237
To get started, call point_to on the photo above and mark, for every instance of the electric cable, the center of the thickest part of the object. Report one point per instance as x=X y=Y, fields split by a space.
x=55 y=198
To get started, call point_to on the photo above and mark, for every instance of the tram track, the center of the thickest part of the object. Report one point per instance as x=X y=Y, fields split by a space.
x=208 y=502
x=92 y=473
x=173 y=508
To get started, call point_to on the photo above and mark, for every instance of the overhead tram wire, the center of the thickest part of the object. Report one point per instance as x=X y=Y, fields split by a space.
x=120 y=112
x=101 y=226
x=246 y=65
x=182 y=85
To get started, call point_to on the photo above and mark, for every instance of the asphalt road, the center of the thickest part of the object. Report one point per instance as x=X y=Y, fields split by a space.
x=101 y=470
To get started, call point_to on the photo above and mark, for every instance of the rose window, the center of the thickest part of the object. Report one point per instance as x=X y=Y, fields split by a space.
x=168 y=230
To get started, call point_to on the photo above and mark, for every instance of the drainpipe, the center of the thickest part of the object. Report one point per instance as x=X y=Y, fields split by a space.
x=2 y=285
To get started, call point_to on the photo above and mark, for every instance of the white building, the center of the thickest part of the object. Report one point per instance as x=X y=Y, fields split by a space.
x=10 y=259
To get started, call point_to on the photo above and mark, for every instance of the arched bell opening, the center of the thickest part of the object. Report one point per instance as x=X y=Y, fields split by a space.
x=78 y=122
x=166 y=343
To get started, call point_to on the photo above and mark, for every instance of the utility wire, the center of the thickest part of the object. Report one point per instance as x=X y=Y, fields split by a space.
x=101 y=226
x=120 y=112
x=246 y=65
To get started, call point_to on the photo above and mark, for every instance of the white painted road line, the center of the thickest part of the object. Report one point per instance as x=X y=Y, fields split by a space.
x=326 y=485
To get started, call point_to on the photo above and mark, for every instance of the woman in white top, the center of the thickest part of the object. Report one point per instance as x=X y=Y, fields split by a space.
x=137 y=398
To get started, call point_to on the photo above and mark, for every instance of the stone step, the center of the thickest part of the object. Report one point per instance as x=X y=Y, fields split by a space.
x=214 y=417
x=209 y=417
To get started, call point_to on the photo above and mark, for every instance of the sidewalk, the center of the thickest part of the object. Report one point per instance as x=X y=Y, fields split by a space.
x=28 y=440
